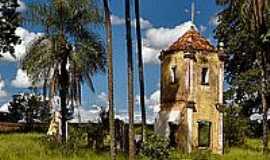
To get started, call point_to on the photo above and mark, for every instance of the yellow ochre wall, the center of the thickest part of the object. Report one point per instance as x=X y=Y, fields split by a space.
x=174 y=97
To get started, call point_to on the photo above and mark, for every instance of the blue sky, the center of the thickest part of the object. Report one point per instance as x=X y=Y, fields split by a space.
x=158 y=16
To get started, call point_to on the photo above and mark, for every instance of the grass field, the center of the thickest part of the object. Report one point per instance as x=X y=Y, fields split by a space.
x=31 y=147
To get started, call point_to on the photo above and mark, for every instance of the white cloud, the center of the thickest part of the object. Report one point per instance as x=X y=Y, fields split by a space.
x=214 y=21
x=4 y=107
x=103 y=97
x=20 y=50
x=152 y=102
x=3 y=93
x=202 y=28
x=150 y=55
x=116 y=20
x=91 y=115
x=22 y=80
x=145 y=24
x=157 y=39
x=163 y=37
x=22 y=7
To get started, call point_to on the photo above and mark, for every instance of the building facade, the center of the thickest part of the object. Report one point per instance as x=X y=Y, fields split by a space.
x=192 y=73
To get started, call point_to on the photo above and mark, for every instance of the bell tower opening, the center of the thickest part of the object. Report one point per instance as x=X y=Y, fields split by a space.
x=173 y=75
x=205 y=76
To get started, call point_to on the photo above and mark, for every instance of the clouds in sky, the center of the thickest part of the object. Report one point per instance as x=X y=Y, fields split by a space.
x=202 y=28
x=103 y=97
x=116 y=20
x=91 y=115
x=20 y=50
x=3 y=93
x=22 y=80
x=157 y=39
x=22 y=7
x=152 y=102
x=4 y=107
x=214 y=21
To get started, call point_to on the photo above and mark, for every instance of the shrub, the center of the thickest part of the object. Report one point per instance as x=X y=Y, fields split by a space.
x=235 y=126
x=155 y=147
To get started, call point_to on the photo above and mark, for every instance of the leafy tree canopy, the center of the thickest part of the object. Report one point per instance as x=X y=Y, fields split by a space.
x=9 y=21
x=243 y=43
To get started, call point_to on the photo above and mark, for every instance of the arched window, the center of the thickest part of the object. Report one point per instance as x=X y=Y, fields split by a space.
x=205 y=76
x=173 y=74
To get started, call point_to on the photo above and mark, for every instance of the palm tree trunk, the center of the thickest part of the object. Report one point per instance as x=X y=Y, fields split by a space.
x=63 y=97
x=108 y=27
x=130 y=82
x=140 y=65
x=264 y=103
x=47 y=74
x=45 y=88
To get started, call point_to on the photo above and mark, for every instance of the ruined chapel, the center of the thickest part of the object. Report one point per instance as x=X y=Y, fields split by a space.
x=192 y=73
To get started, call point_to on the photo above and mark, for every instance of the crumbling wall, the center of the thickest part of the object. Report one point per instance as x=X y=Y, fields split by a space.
x=206 y=98
x=174 y=99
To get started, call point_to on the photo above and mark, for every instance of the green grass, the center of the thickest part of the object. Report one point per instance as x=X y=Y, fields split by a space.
x=252 y=150
x=31 y=147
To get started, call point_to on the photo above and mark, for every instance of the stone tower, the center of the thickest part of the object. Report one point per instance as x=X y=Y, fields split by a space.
x=192 y=72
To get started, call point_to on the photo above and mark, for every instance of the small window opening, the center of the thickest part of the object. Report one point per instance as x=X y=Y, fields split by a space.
x=172 y=136
x=173 y=74
x=204 y=131
x=205 y=76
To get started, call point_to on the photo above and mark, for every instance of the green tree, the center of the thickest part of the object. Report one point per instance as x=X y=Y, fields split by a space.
x=9 y=21
x=244 y=30
x=69 y=40
x=140 y=66
x=108 y=27
x=29 y=107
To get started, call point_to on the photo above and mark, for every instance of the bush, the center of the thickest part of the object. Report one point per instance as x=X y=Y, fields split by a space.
x=235 y=126
x=155 y=147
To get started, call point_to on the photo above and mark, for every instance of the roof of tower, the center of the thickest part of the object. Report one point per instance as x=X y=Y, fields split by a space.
x=191 y=40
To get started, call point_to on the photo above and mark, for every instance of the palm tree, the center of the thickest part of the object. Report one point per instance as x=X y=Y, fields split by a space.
x=68 y=39
x=140 y=65
x=108 y=27
x=130 y=81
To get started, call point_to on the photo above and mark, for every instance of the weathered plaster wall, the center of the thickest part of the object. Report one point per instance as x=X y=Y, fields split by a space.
x=206 y=98
x=174 y=98
x=173 y=92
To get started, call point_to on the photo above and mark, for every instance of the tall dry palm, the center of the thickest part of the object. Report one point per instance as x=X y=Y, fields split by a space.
x=69 y=39
x=140 y=66
x=108 y=27
x=131 y=152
